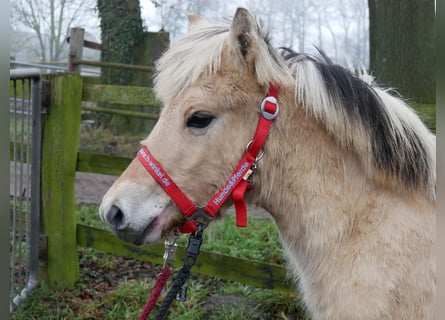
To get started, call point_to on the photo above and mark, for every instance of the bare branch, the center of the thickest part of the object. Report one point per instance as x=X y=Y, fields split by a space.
x=50 y=21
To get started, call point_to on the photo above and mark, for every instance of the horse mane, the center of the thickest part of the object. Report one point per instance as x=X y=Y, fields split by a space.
x=379 y=126
x=199 y=53
x=191 y=56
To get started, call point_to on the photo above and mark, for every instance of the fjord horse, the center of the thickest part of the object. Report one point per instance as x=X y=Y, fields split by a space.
x=348 y=172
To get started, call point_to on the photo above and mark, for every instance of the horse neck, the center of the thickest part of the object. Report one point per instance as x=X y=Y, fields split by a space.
x=317 y=189
x=309 y=182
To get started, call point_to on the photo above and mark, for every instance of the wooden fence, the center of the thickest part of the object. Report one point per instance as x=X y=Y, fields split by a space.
x=61 y=160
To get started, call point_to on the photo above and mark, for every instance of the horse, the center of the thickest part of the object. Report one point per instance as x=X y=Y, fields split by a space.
x=347 y=171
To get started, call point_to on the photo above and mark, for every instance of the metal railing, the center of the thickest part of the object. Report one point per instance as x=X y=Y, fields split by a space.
x=25 y=169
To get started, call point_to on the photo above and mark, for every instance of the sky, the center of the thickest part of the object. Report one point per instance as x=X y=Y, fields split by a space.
x=278 y=22
x=150 y=14
x=280 y=37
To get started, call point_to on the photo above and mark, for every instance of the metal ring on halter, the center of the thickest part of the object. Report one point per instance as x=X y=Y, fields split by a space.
x=259 y=156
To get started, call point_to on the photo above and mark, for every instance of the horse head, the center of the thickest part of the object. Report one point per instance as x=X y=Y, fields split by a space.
x=211 y=88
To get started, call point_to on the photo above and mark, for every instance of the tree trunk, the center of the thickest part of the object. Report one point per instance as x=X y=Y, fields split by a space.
x=402 y=47
x=149 y=49
x=121 y=28
x=124 y=41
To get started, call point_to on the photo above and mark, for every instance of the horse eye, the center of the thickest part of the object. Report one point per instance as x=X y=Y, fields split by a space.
x=199 y=120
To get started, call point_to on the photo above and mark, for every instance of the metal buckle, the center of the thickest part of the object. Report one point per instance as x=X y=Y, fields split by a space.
x=205 y=219
x=267 y=115
x=170 y=252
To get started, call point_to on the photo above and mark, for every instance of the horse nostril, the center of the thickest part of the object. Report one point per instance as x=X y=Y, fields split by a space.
x=116 y=218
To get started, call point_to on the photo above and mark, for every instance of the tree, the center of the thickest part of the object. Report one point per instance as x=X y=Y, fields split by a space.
x=288 y=19
x=124 y=40
x=402 y=46
x=121 y=29
x=51 y=21
x=338 y=27
x=172 y=13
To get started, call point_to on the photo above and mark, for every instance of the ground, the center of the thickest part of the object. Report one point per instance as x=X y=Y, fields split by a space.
x=91 y=187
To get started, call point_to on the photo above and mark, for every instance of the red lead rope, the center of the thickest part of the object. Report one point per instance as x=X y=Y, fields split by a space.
x=160 y=284
x=236 y=185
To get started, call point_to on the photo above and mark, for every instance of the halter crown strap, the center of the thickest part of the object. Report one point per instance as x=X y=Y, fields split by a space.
x=236 y=185
x=239 y=177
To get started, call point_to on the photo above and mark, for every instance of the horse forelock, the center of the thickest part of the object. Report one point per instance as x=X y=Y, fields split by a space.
x=381 y=128
x=197 y=53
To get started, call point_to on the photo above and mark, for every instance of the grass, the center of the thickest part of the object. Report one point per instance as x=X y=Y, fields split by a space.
x=208 y=297
x=427 y=113
x=103 y=141
x=88 y=214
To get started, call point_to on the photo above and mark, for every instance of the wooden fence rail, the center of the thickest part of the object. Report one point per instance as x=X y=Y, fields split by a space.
x=113 y=65
x=248 y=272
x=124 y=95
x=61 y=160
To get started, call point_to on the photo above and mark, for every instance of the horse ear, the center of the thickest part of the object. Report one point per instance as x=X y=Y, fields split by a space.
x=195 y=21
x=244 y=32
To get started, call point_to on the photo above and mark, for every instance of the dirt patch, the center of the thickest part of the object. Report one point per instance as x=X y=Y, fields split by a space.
x=106 y=277
x=91 y=187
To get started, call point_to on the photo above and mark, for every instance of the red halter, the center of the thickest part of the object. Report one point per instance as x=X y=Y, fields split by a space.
x=236 y=185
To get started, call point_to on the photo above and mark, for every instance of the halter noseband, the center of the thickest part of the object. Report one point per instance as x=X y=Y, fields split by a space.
x=236 y=185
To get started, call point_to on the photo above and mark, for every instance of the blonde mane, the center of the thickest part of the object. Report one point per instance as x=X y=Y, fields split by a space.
x=199 y=52
x=382 y=129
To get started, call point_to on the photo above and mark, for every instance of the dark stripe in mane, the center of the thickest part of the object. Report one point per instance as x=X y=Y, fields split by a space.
x=401 y=154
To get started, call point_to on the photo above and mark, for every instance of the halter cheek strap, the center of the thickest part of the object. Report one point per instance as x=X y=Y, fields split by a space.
x=238 y=182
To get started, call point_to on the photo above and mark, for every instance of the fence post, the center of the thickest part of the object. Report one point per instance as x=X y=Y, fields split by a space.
x=59 y=154
x=76 y=48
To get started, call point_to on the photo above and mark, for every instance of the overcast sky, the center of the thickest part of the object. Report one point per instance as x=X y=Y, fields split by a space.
x=338 y=26
x=150 y=14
